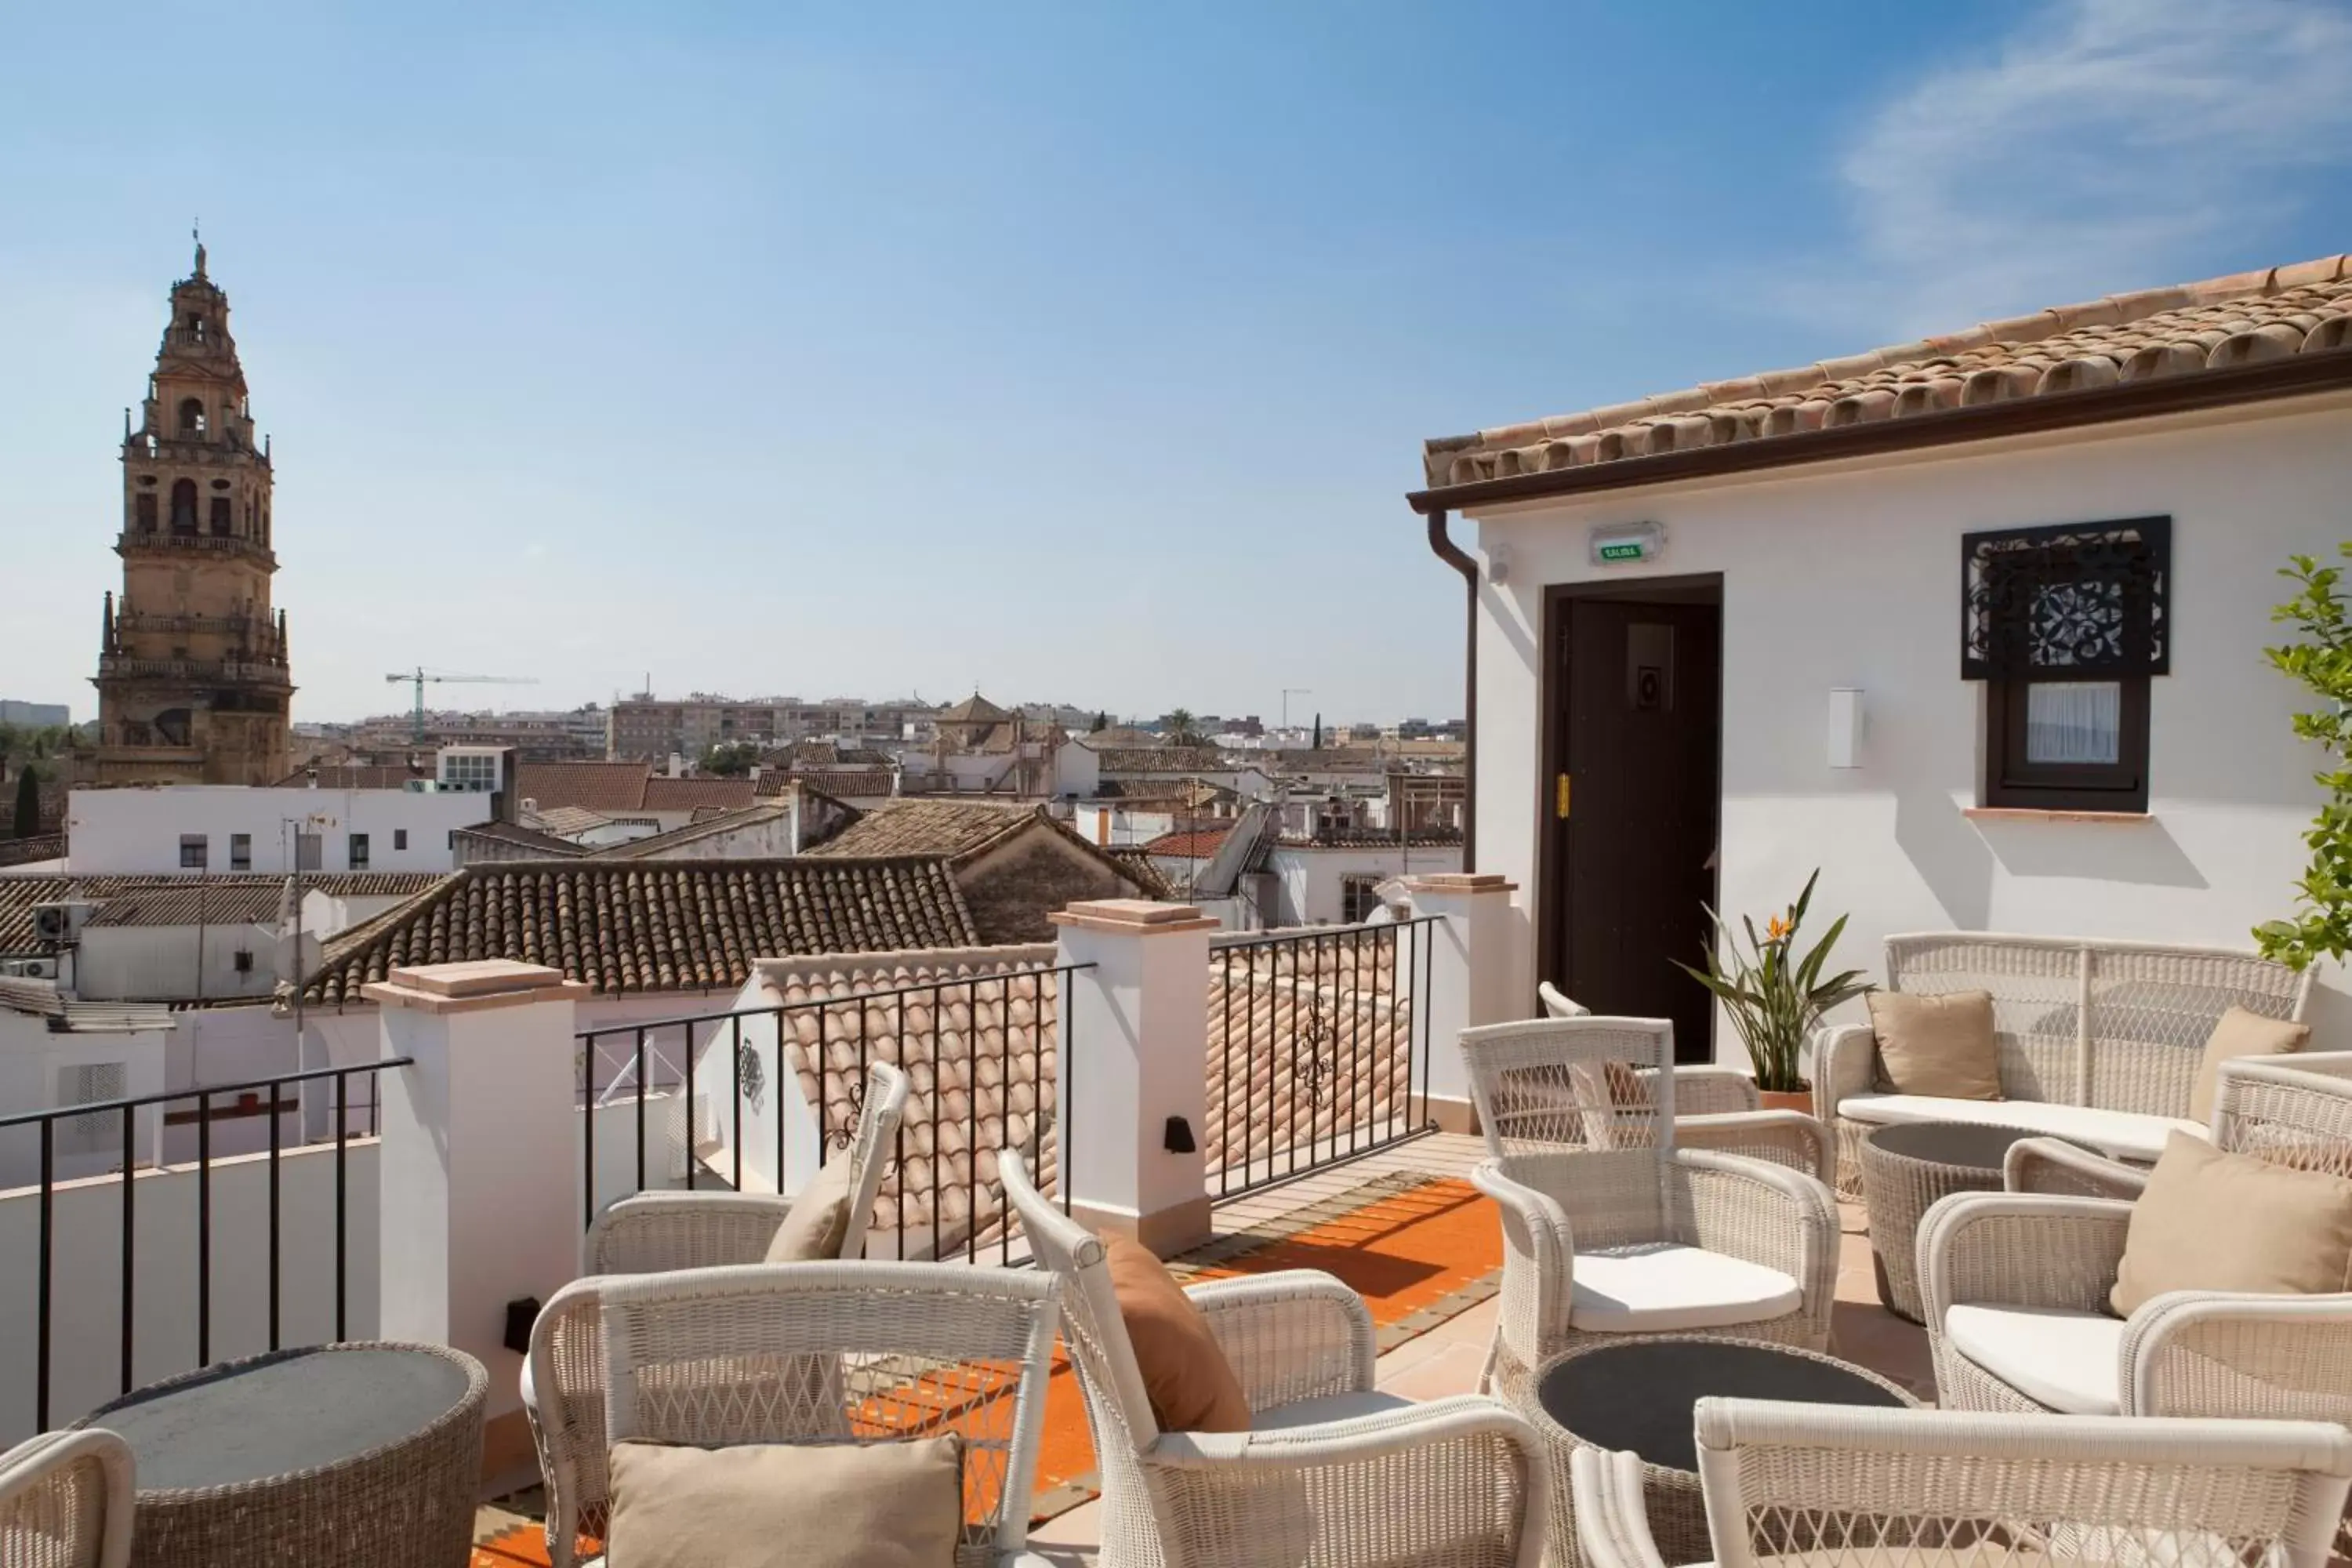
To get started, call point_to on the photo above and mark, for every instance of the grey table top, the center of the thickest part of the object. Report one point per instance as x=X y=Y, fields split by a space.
x=275 y=1414
x=1639 y=1395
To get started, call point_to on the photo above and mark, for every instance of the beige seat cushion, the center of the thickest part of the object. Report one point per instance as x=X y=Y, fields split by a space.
x=846 y=1505
x=2065 y=1360
x=1941 y=1045
x=2210 y=1220
x=1328 y=1408
x=2241 y=1034
x=817 y=1223
x=1660 y=1288
x=1186 y=1377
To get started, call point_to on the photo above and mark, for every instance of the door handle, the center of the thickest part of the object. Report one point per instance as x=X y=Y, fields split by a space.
x=1560 y=798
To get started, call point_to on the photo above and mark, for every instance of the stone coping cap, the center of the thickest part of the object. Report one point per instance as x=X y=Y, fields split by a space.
x=1135 y=916
x=472 y=986
x=1461 y=882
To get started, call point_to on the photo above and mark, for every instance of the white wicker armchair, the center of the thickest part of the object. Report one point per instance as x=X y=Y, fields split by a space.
x=1830 y=1486
x=653 y=1233
x=65 y=1502
x=1718 y=1107
x=1608 y=1228
x=864 y=1352
x=1332 y=1471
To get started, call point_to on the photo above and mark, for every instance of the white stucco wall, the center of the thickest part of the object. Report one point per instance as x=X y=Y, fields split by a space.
x=1851 y=577
x=1312 y=879
x=139 y=830
x=176 y=963
x=34 y=1063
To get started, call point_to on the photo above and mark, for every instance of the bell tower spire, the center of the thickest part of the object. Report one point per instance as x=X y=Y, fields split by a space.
x=193 y=685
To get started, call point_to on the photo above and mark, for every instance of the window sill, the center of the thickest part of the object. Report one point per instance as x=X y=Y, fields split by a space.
x=2036 y=813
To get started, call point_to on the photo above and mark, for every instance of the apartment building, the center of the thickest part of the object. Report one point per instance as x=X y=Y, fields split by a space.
x=652 y=728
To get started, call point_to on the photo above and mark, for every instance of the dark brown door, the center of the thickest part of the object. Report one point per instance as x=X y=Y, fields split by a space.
x=1640 y=738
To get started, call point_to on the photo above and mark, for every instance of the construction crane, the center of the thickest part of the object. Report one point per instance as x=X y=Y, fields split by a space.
x=419 y=677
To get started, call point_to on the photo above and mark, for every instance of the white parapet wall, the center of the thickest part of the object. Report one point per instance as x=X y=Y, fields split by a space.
x=86 y=1259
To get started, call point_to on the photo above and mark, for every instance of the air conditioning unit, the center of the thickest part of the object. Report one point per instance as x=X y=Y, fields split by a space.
x=60 y=922
x=29 y=969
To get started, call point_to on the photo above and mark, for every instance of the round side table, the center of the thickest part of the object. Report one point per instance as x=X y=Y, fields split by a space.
x=359 y=1455
x=1905 y=1169
x=1636 y=1394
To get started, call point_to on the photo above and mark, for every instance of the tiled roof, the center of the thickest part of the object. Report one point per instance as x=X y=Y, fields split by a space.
x=605 y=788
x=18 y=894
x=23 y=851
x=924 y=826
x=1376 y=839
x=865 y=784
x=1171 y=760
x=693 y=794
x=1137 y=860
x=558 y=821
x=1310 y=1039
x=632 y=927
x=2186 y=330
x=1328 y=759
x=979 y=1058
x=516 y=836
x=662 y=844
x=240 y=904
x=1197 y=842
x=973 y=709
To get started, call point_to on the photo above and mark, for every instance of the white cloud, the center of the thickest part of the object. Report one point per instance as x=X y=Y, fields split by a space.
x=2106 y=146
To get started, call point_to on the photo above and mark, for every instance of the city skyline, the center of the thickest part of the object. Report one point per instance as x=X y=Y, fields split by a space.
x=752 y=336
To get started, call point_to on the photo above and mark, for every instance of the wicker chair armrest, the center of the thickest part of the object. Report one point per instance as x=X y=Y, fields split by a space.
x=1612 y=1519
x=2238 y=1355
x=2017 y=1249
x=1844 y=1064
x=1539 y=1263
x=2053 y=1167
x=1788 y=1138
x=1763 y=1212
x=656 y=1232
x=1713 y=1091
x=563 y=1403
x=49 y=1463
x=1455 y=1480
x=1297 y=1334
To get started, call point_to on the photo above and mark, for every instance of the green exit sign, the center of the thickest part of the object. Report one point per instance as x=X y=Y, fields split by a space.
x=1622 y=544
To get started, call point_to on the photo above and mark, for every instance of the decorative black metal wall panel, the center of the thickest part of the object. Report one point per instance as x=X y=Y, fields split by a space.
x=2086 y=600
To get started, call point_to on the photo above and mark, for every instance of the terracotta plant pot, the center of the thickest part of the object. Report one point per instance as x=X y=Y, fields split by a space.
x=1787 y=1099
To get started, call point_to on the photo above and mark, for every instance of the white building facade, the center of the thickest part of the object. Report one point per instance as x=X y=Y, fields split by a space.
x=230 y=828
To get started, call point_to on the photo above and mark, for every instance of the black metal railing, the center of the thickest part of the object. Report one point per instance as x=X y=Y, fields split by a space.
x=1319 y=1048
x=989 y=1059
x=89 y=1116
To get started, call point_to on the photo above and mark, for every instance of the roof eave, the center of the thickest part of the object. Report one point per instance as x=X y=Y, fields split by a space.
x=2323 y=370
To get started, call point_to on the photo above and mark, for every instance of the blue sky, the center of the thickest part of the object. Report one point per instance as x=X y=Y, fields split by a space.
x=1079 y=353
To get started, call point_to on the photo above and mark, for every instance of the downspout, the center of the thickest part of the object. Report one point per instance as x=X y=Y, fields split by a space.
x=1454 y=556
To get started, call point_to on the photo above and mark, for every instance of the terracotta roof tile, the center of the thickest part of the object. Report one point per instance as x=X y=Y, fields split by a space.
x=925 y=826
x=18 y=894
x=606 y=787
x=1196 y=843
x=2244 y=318
x=244 y=903
x=979 y=1051
x=689 y=794
x=1171 y=759
x=514 y=837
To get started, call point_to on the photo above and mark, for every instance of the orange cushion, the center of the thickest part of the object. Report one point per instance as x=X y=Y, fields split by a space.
x=1189 y=1382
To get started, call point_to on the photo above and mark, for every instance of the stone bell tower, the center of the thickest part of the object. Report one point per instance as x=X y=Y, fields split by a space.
x=193 y=682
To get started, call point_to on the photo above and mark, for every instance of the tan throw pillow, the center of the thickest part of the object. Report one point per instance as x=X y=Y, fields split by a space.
x=812 y=1505
x=2216 y=1221
x=2240 y=1034
x=1942 y=1046
x=818 y=1222
x=1189 y=1382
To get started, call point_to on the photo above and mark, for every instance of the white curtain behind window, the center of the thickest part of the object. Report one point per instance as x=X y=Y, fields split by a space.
x=2074 y=721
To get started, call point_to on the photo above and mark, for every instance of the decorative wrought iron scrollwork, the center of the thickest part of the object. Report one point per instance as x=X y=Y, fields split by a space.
x=750 y=1073
x=1318 y=1063
x=845 y=1132
x=2087 y=600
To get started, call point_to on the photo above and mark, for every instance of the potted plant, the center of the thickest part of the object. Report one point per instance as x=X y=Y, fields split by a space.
x=1775 y=994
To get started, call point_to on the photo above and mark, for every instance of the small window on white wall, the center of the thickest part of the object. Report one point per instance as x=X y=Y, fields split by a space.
x=92 y=1083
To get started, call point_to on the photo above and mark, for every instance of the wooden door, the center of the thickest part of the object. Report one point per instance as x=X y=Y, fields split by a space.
x=1640 y=742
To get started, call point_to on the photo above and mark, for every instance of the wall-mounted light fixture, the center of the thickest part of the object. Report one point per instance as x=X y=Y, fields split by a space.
x=1498 y=565
x=1845 y=727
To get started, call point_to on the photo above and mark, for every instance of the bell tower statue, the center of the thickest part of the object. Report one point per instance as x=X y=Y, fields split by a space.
x=193 y=682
